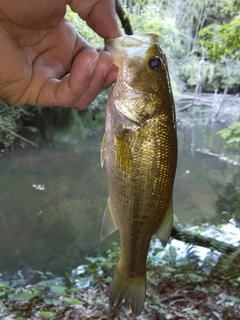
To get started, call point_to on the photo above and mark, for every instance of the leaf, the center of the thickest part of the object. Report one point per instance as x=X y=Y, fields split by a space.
x=19 y=281
x=58 y=289
x=47 y=314
x=91 y=259
x=231 y=298
x=53 y=302
x=26 y=295
x=158 y=309
x=221 y=40
x=190 y=311
x=4 y=284
x=195 y=277
x=73 y=301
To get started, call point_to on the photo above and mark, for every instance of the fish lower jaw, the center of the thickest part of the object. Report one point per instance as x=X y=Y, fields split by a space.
x=126 y=92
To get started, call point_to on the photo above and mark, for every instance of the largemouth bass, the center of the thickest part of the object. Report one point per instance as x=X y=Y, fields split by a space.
x=140 y=148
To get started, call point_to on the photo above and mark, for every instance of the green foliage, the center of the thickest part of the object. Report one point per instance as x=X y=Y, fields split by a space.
x=10 y=122
x=228 y=268
x=229 y=204
x=66 y=126
x=233 y=7
x=51 y=293
x=131 y=3
x=222 y=40
x=24 y=293
x=177 y=24
x=83 y=29
x=231 y=298
x=102 y=266
x=73 y=301
x=231 y=135
x=52 y=298
x=47 y=314
x=164 y=263
x=153 y=19
x=213 y=75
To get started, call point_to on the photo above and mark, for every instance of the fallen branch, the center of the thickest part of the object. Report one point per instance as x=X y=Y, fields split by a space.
x=220 y=156
x=18 y=136
x=202 y=241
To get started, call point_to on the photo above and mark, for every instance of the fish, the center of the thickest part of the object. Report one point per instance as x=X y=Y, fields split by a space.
x=140 y=150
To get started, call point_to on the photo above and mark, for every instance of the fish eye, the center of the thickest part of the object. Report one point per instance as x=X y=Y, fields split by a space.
x=154 y=62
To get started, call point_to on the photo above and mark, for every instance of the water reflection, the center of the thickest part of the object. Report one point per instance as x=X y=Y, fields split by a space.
x=52 y=198
x=51 y=207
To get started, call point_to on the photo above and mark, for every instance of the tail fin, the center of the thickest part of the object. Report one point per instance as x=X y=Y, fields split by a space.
x=131 y=289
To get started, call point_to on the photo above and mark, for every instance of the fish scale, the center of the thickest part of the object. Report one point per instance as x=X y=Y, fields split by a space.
x=140 y=147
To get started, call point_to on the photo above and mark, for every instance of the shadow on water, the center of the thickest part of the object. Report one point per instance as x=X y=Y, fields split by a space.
x=52 y=198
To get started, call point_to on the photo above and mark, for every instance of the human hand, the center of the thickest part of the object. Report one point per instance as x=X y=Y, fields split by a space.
x=44 y=62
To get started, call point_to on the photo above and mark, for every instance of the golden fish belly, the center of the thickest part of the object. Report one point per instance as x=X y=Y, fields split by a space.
x=141 y=169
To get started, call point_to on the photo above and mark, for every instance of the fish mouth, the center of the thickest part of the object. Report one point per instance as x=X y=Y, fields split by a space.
x=131 y=46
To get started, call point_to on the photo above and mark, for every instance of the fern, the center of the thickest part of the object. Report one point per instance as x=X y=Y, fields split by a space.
x=228 y=266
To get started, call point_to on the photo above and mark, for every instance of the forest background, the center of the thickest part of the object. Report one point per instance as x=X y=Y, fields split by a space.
x=201 y=41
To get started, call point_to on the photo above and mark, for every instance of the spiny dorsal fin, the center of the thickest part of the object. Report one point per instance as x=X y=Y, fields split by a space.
x=165 y=229
x=108 y=223
x=103 y=151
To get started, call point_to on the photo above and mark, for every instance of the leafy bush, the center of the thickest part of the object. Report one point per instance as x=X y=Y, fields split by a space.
x=231 y=135
x=152 y=19
x=186 y=282
x=10 y=122
x=228 y=203
x=222 y=40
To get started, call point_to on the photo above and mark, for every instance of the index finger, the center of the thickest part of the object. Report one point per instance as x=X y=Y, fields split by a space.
x=100 y=15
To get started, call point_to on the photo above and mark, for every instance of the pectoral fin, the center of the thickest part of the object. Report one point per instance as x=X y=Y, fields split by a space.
x=165 y=229
x=123 y=153
x=103 y=151
x=108 y=223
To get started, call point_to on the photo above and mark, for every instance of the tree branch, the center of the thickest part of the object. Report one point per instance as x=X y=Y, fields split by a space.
x=201 y=241
x=18 y=136
x=123 y=18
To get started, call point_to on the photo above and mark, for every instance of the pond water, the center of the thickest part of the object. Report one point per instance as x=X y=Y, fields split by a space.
x=52 y=198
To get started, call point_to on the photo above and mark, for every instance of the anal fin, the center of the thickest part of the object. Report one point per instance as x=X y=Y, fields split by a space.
x=165 y=229
x=108 y=223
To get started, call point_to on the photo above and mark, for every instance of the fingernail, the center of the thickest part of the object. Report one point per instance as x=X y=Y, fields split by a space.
x=106 y=69
x=93 y=64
